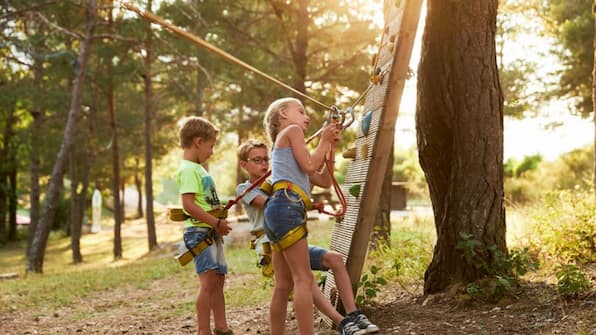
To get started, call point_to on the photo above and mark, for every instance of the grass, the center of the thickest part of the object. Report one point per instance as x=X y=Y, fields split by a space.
x=63 y=283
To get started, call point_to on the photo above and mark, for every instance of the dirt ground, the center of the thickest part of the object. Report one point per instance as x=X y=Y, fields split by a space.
x=149 y=311
x=157 y=310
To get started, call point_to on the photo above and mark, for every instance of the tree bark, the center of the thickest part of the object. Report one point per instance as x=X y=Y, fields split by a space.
x=149 y=104
x=115 y=175
x=301 y=46
x=139 y=186
x=3 y=205
x=40 y=238
x=37 y=115
x=459 y=124
x=75 y=222
x=117 y=250
x=6 y=166
x=12 y=199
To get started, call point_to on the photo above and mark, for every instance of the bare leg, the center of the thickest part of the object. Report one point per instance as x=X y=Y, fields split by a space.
x=325 y=306
x=218 y=304
x=298 y=261
x=335 y=262
x=203 y=303
x=281 y=293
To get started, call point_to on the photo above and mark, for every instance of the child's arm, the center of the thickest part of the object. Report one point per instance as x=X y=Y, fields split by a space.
x=259 y=202
x=321 y=178
x=309 y=163
x=194 y=210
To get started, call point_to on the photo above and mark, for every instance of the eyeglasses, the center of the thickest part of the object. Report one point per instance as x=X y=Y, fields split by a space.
x=259 y=160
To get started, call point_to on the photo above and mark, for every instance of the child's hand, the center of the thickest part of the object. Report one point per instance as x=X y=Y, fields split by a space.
x=223 y=227
x=330 y=134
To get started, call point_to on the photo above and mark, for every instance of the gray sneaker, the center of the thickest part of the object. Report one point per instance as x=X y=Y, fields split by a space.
x=347 y=327
x=363 y=323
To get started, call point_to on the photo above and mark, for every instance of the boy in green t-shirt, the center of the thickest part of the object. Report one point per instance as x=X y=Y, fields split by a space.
x=197 y=138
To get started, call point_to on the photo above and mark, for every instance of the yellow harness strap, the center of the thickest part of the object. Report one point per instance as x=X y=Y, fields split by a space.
x=257 y=234
x=177 y=214
x=285 y=185
x=290 y=238
x=189 y=255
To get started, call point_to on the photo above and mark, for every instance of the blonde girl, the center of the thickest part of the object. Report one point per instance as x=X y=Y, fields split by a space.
x=293 y=171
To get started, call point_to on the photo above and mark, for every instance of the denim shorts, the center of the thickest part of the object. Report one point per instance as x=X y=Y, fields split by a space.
x=316 y=258
x=284 y=211
x=212 y=257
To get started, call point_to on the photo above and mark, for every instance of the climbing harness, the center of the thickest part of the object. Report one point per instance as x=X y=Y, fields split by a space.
x=293 y=236
x=177 y=214
x=264 y=252
x=191 y=252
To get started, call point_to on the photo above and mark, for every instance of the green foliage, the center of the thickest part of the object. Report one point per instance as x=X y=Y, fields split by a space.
x=565 y=226
x=572 y=23
x=370 y=285
x=503 y=271
x=571 y=280
x=521 y=83
x=529 y=179
x=514 y=168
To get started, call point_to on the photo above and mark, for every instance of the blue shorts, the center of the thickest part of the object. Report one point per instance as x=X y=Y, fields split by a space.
x=316 y=258
x=212 y=257
x=284 y=211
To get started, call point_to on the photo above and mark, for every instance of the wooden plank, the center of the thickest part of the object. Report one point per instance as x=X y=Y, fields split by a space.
x=351 y=235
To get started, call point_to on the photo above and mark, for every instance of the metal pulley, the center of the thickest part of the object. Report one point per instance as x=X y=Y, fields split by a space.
x=338 y=116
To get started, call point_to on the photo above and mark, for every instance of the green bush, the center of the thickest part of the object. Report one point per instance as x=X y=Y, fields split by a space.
x=565 y=226
x=571 y=280
x=503 y=271
x=527 y=179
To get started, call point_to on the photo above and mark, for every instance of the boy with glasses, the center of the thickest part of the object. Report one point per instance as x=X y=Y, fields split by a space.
x=254 y=159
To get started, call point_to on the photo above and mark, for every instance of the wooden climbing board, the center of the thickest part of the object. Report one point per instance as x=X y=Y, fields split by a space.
x=373 y=146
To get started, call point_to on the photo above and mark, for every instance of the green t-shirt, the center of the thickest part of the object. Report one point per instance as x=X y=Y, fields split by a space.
x=193 y=178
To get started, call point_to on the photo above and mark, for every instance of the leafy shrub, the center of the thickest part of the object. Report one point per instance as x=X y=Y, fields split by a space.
x=370 y=285
x=514 y=168
x=565 y=226
x=527 y=179
x=503 y=270
x=571 y=280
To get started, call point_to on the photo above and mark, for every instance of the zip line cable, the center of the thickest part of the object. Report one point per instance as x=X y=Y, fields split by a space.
x=199 y=41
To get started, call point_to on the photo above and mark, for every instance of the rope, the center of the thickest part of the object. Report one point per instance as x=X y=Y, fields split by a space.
x=210 y=47
x=202 y=43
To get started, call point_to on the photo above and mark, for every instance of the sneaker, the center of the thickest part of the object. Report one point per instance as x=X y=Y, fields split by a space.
x=347 y=327
x=363 y=323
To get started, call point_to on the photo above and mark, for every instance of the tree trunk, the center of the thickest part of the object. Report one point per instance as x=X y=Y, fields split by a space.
x=459 y=124
x=12 y=200
x=301 y=45
x=3 y=206
x=151 y=235
x=381 y=234
x=115 y=175
x=75 y=227
x=37 y=115
x=117 y=251
x=139 y=186
x=7 y=166
x=40 y=238
x=123 y=199
x=201 y=85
